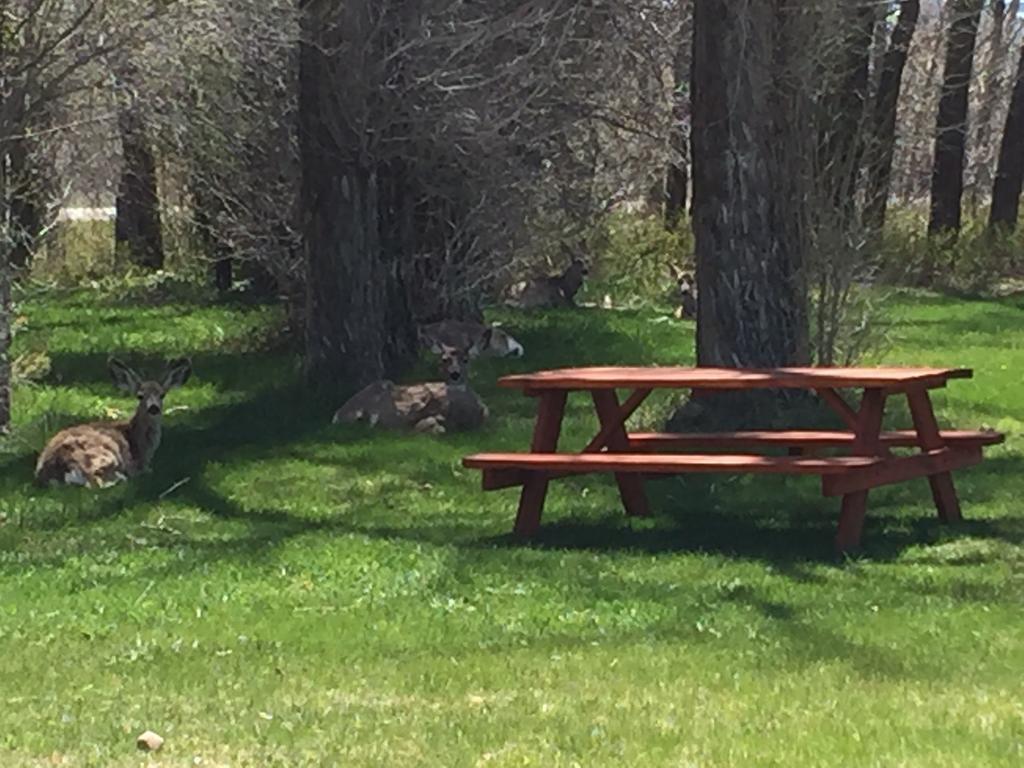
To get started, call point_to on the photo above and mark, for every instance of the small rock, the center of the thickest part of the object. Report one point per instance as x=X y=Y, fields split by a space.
x=150 y=741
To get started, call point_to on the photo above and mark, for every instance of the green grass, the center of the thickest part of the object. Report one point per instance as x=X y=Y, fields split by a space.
x=322 y=596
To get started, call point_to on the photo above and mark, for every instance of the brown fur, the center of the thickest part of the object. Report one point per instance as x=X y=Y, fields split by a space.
x=102 y=453
x=552 y=291
x=434 y=407
x=478 y=338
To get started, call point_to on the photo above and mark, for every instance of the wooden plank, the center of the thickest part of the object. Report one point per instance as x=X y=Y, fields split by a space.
x=840 y=406
x=866 y=443
x=930 y=438
x=547 y=430
x=584 y=463
x=624 y=377
x=612 y=418
x=898 y=470
x=655 y=442
x=612 y=424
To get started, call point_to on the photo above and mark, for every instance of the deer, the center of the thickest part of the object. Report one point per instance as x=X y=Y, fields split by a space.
x=685 y=294
x=479 y=339
x=431 y=407
x=552 y=290
x=101 y=454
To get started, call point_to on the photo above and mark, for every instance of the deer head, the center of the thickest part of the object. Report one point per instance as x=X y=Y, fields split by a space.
x=149 y=393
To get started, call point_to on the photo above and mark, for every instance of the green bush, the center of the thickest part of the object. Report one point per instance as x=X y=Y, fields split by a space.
x=635 y=255
x=975 y=261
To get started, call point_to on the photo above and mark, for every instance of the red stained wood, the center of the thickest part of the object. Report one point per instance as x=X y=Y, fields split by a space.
x=585 y=463
x=898 y=470
x=654 y=442
x=867 y=442
x=547 y=430
x=612 y=417
x=615 y=377
x=840 y=406
x=930 y=438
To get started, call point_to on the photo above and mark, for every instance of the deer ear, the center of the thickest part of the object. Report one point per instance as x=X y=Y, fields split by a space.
x=430 y=342
x=178 y=373
x=124 y=377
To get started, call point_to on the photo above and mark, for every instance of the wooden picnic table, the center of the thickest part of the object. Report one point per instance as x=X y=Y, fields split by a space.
x=865 y=457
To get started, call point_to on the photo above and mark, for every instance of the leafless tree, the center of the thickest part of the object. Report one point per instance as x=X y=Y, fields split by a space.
x=50 y=50
x=1009 y=179
x=952 y=121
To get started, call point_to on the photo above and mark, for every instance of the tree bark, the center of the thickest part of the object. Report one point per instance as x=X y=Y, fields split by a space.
x=677 y=176
x=1010 y=172
x=137 y=231
x=843 y=106
x=358 y=324
x=951 y=124
x=748 y=142
x=991 y=93
x=886 y=105
x=5 y=294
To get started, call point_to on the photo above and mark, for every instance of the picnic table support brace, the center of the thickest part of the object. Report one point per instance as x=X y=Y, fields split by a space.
x=612 y=418
x=855 y=504
x=547 y=430
x=943 y=491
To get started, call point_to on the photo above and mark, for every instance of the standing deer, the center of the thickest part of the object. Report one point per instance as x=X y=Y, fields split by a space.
x=102 y=453
x=432 y=407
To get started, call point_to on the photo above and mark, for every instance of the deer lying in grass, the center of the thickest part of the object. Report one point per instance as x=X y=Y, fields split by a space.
x=103 y=453
x=432 y=407
x=479 y=339
x=551 y=291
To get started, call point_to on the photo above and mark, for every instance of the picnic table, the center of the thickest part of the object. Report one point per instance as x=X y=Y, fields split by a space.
x=864 y=458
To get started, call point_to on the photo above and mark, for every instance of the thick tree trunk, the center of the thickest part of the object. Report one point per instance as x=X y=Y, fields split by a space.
x=26 y=220
x=677 y=176
x=137 y=231
x=841 y=145
x=886 y=105
x=991 y=93
x=951 y=124
x=749 y=141
x=5 y=295
x=1010 y=172
x=358 y=324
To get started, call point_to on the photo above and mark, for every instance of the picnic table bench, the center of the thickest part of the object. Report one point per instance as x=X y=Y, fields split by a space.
x=865 y=459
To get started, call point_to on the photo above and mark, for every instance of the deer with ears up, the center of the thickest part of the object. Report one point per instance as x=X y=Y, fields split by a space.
x=434 y=407
x=102 y=453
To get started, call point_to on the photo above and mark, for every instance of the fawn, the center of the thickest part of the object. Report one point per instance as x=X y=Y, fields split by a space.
x=102 y=453
x=432 y=407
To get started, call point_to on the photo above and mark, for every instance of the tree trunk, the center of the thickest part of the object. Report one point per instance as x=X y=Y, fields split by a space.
x=1010 y=172
x=358 y=324
x=748 y=141
x=677 y=176
x=26 y=220
x=951 y=124
x=137 y=231
x=5 y=294
x=843 y=106
x=991 y=94
x=886 y=105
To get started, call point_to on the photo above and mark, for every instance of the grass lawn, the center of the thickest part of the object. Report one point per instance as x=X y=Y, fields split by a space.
x=313 y=595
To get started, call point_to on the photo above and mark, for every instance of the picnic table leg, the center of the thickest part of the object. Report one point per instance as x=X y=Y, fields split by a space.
x=631 y=487
x=855 y=505
x=928 y=438
x=546 y=432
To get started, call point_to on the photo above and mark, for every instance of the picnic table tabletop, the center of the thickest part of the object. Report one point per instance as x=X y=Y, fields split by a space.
x=658 y=377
